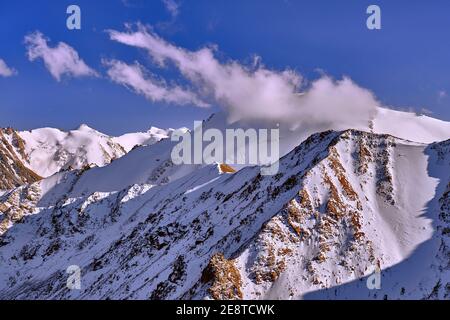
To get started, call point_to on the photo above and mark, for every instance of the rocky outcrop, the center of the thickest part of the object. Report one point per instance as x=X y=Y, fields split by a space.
x=13 y=170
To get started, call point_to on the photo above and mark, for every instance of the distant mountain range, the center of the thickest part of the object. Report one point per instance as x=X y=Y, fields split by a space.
x=26 y=156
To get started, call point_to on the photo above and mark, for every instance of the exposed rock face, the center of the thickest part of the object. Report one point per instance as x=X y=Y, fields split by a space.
x=342 y=205
x=225 y=168
x=223 y=278
x=13 y=170
x=16 y=204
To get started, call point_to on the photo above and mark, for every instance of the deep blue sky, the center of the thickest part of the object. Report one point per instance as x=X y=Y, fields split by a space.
x=406 y=64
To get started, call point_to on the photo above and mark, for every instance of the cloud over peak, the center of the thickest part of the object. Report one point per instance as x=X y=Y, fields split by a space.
x=60 y=60
x=136 y=78
x=6 y=71
x=256 y=92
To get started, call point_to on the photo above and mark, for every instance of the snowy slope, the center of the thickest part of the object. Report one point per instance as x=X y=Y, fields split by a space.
x=410 y=126
x=342 y=204
x=129 y=140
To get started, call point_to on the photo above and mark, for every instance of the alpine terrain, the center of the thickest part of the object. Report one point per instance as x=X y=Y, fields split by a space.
x=346 y=205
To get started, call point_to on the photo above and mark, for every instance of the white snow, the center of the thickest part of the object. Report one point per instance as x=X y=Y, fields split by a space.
x=50 y=150
x=409 y=126
x=153 y=135
x=125 y=223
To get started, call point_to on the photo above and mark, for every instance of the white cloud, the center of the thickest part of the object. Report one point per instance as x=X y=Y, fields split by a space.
x=126 y=3
x=136 y=78
x=60 y=60
x=132 y=3
x=6 y=71
x=172 y=7
x=256 y=92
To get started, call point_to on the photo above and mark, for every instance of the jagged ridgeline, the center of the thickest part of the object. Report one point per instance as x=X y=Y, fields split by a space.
x=343 y=204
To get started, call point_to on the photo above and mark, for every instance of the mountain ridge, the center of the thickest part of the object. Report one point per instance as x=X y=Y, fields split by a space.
x=239 y=235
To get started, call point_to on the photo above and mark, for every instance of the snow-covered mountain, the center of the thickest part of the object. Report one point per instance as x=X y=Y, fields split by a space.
x=43 y=152
x=344 y=203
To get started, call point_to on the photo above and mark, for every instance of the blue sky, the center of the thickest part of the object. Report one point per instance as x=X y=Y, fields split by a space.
x=405 y=64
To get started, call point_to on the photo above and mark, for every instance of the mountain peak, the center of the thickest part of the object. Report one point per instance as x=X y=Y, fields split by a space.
x=156 y=130
x=84 y=127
